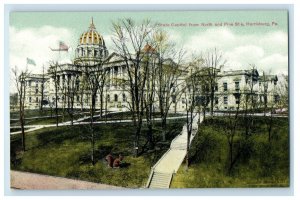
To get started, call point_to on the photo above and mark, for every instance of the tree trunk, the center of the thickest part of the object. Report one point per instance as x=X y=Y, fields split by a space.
x=163 y=127
x=150 y=136
x=22 y=118
x=92 y=130
x=270 y=126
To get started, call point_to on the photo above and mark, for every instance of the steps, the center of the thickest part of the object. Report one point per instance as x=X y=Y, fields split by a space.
x=162 y=172
x=160 y=180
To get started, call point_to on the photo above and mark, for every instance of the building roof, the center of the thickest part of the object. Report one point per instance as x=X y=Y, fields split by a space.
x=91 y=36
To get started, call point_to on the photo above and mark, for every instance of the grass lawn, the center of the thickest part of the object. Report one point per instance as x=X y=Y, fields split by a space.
x=17 y=129
x=43 y=117
x=127 y=115
x=65 y=152
x=259 y=163
x=34 y=113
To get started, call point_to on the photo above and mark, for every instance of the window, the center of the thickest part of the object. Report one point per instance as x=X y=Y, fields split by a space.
x=36 y=90
x=29 y=83
x=276 y=98
x=58 y=80
x=89 y=53
x=77 y=85
x=63 y=78
x=183 y=100
x=216 y=87
x=116 y=97
x=37 y=100
x=78 y=98
x=237 y=86
x=108 y=98
x=29 y=99
x=124 y=98
x=216 y=100
x=173 y=98
x=225 y=87
x=237 y=100
x=115 y=71
x=226 y=100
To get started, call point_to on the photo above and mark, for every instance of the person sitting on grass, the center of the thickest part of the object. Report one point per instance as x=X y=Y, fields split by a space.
x=110 y=160
x=117 y=162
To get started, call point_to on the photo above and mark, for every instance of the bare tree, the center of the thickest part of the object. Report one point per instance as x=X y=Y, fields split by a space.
x=53 y=71
x=250 y=99
x=129 y=40
x=213 y=61
x=42 y=91
x=283 y=92
x=150 y=88
x=93 y=78
x=203 y=79
x=20 y=83
x=265 y=83
x=169 y=70
x=190 y=94
x=230 y=131
x=13 y=99
x=72 y=89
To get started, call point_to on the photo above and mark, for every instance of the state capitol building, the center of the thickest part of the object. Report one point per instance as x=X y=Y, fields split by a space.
x=91 y=50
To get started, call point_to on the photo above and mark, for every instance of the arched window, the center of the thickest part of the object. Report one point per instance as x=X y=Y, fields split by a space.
x=116 y=97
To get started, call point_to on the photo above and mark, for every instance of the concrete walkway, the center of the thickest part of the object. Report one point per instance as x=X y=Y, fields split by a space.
x=81 y=122
x=32 y=181
x=169 y=163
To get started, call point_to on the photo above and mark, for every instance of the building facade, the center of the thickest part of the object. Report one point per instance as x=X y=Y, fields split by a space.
x=68 y=82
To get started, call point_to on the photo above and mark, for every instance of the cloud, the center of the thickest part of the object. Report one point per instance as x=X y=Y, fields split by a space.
x=275 y=63
x=34 y=43
x=268 y=51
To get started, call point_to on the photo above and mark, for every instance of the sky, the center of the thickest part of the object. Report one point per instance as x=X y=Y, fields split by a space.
x=244 y=37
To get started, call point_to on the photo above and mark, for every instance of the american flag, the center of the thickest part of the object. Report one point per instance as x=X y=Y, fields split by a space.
x=63 y=46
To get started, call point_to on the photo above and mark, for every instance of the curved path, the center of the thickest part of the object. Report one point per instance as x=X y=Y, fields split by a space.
x=32 y=181
x=81 y=122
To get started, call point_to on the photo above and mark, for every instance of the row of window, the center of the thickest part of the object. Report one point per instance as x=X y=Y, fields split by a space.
x=116 y=98
x=83 y=52
x=36 y=83
x=225 y=86
x=36 y=99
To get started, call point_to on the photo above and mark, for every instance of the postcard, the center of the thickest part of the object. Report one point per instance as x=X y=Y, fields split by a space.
x=153 y=99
